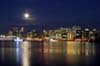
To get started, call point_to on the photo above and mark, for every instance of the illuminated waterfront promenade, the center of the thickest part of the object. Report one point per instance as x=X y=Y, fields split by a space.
x=15 y=38
x=74 y=33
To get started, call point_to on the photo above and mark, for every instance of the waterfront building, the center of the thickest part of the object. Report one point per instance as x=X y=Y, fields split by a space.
x=92 y=36
x=70 y=35
x=79 y=34
x=86 y=33
x=77 y=31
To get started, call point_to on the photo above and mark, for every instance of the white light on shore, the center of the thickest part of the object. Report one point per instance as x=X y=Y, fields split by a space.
x=18 y=39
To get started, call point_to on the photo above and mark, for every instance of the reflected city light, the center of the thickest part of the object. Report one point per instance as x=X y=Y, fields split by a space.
x=89 y=49
x=3 y=53
x=48 y=53
x=77 y=48
x=70 y=48
x=46 y=47
x=17 y=54
x=73 y=49
x=25 y=54
x=70 y=52
x=17 y=44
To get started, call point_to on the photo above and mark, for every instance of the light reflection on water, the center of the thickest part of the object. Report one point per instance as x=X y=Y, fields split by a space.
x=25 y=54
x=47 y=53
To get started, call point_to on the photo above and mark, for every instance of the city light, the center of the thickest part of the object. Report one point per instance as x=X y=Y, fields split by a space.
x=49 y=33
x=18 y=39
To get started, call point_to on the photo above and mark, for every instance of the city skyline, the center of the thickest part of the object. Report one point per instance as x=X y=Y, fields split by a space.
x=49 y=32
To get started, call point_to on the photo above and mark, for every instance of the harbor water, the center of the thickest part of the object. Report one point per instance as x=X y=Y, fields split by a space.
x=59 y=53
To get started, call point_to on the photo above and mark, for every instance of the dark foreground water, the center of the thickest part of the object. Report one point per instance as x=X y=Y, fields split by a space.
x=49 y=53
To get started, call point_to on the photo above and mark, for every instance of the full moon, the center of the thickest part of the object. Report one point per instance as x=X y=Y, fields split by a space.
x=26 y=15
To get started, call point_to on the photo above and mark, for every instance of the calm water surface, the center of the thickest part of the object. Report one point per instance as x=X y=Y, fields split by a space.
x=62 y=53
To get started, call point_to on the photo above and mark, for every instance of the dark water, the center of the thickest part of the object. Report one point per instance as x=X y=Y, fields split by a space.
x=49 y=53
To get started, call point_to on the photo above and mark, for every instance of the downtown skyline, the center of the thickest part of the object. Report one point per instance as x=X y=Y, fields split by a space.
x=49 y=32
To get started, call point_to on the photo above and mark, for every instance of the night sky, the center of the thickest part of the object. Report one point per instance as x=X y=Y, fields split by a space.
x=85 y=13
